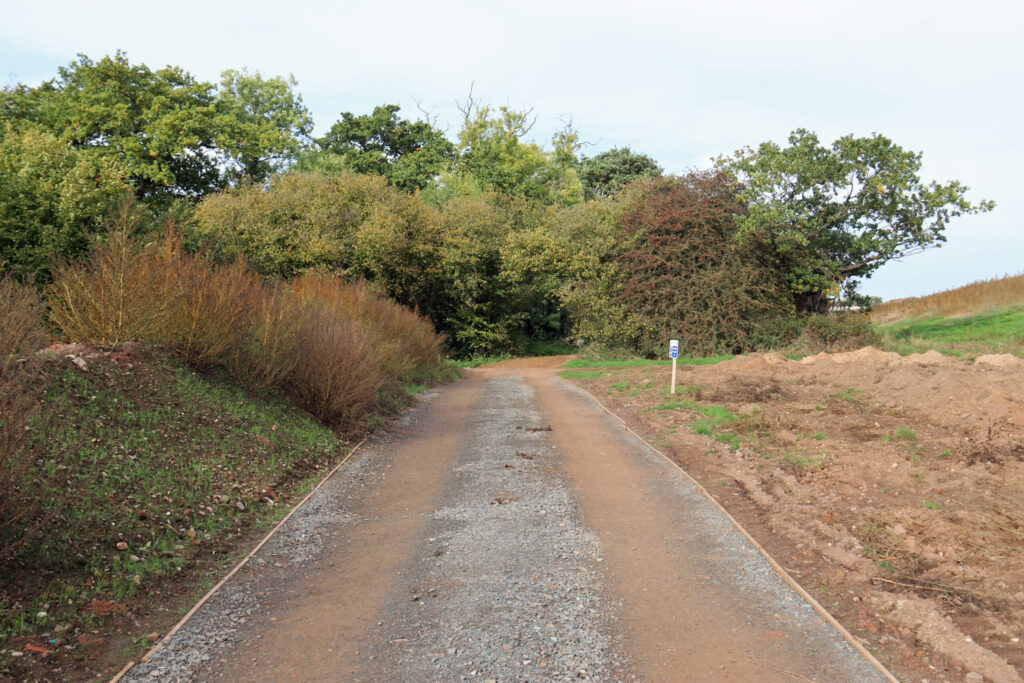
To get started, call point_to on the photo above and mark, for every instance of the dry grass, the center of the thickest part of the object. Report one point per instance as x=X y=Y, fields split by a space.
x=1007 y=291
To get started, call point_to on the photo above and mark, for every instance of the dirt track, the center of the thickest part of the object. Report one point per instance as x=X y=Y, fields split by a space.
x=508 y=529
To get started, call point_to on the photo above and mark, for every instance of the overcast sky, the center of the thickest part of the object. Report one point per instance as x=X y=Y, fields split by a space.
x=680 y=81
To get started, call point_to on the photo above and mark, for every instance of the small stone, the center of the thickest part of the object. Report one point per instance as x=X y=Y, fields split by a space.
x=152 y=637
x=135 y=558
x=241 y=506
x=121 y=545
x=974 y=677
x=899 y=529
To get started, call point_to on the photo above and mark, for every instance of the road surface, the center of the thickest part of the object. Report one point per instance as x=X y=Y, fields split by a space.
x=507 y=529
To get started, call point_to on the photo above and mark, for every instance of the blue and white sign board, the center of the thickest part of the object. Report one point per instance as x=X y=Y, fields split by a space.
x=673 y=348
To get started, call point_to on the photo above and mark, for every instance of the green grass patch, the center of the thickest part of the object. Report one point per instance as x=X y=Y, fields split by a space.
x=904 y=433
x=931 y=505
x=144 y=474
x=581 y=374
x=1000 y=330
x=799 y=464
x=641 y=362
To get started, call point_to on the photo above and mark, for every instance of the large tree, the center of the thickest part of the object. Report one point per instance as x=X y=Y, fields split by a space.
x=605 y=173
x=51 y=198
x=492 y=149
x=826 y=215
x=409 y=154
x=261 y=124
x=157 y=125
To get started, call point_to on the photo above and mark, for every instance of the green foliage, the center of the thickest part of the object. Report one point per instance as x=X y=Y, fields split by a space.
x=491 y=149
x=51 y=198
x=685 y=278
x=409 y=154
x=489 y=293
x=261 y=125
x=604 y=174
x=354 y=225
x=159 y=126
x=838 y=332
x=824 y=216
x=171 y=135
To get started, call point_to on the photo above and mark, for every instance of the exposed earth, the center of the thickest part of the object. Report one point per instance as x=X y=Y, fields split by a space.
x=892 y=488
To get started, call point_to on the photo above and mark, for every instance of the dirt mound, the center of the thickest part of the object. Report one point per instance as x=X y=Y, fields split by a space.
x=1000 y=360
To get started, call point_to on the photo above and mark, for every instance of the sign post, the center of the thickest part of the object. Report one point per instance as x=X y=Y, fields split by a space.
x=673 y=353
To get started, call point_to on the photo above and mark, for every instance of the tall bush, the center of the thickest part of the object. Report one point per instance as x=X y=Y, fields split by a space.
x=685 y=277
x=21 y=333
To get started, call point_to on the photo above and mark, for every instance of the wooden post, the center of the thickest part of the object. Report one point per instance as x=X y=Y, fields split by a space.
x=673 y=375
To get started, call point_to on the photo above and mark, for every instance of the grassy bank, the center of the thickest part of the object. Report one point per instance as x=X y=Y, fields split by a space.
x=145 y=479
x=993 y=331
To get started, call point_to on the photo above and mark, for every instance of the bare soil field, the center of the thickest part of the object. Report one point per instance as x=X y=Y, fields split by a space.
x=892 y=488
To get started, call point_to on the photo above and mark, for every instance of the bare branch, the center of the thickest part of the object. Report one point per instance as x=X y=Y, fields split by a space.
x=470 y=105
x=430 y=116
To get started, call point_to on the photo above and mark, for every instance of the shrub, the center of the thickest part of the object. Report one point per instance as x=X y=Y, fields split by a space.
x=840 y=332
x=21 y=332
x=684 y=276
x=337 y=375
x=210 y=316
x=119 y=293
x=268 y=353
x=339 y=349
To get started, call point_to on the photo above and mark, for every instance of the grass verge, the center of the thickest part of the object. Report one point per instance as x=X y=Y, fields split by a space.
x=149 y=475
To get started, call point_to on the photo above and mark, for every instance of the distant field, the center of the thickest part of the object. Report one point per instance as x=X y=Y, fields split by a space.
x=977 y=297
x=992 y=331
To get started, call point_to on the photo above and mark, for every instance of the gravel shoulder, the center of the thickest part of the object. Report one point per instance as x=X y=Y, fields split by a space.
x=506 y=529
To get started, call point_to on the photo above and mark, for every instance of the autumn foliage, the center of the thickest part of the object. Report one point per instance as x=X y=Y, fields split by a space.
x=337 y=348
x=684 y=276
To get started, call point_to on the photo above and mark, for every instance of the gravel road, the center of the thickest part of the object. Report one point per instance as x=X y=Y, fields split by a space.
x=505 y=529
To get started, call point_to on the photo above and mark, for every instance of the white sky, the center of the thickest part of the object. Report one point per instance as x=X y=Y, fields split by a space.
x=680 y=81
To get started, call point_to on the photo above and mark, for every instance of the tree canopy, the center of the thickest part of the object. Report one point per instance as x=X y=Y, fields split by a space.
x=824 y=216
x=409 y=154
x=261 y=124
x=158 y=125
x=604 y=173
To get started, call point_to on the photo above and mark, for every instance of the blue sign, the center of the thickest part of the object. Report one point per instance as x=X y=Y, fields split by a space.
x=673 y=348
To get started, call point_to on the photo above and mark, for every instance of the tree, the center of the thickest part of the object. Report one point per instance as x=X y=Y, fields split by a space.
x=682 y=275
x=409 y=154
x=51 y=198
x=603 y=174
x=356 y=226
x=824 y=216
x=261 y=123
x=157 y=125
x=491 y=149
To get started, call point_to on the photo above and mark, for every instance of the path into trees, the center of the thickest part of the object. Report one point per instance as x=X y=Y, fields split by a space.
x=507 y=529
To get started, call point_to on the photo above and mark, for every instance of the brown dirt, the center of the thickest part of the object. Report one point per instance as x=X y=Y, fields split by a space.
x=539 y=362
x=889 y=487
